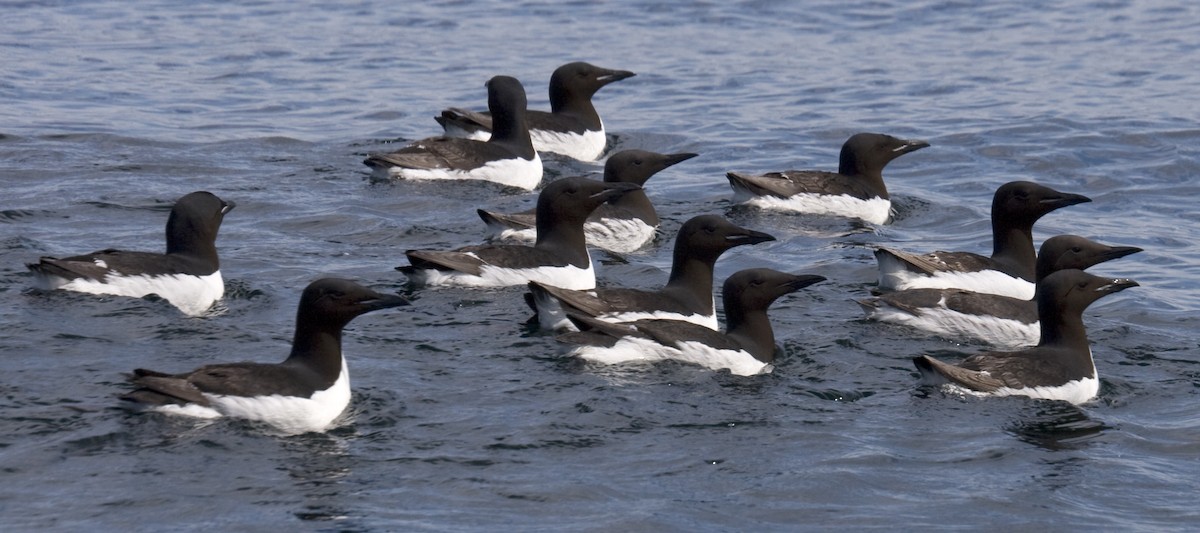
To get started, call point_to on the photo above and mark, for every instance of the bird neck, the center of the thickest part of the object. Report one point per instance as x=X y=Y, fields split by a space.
x=868 y=174
x=565 y=238
x=692 y=280
x=1062 y=328
x=637 y=204
x=511 y=129
x=317 y=346
x=1012 y=247
x=562 y=102
x=752 y=329
x=187 y=239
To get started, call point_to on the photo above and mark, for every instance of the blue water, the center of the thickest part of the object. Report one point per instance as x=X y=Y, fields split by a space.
x=463 y=418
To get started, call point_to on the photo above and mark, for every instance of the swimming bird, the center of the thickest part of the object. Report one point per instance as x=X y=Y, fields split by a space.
x=188 y=275
x=747 y=346
x=687 y=296
x=621 y=225
x=508 y=158
x=1003 y=321
x=572 y=127
x=1009 y=271
x=1060 y=367
x=856 y=190
x=559 y=257
x=306 y=392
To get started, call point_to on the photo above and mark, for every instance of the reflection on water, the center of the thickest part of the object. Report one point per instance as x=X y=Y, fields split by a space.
x=319 y=466
x=1055 y=426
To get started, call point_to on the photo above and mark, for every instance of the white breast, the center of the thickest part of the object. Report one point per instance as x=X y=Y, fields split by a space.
x=626 y=350
x=988 y=281
x=875 y=211
x=633 y=349
x=940 y=320
x=516 y=236
x=1076 y=392
x=739 y=362
x=585 y=147
x=452 y=130
x=708 y=321
x=191 y=409
x=515 y=172
x=552 y=317
x=614 y=234
x=568 y=277
x=290 y=414
x=191 y=294
x=620 y=235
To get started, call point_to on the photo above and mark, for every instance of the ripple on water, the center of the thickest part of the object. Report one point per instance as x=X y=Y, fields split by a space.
x=463 y=417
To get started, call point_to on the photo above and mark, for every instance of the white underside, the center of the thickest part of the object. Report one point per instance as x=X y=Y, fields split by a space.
x=613 y=234
x=193 y=295
x=893 y=276
x=478 y=135
x=289 y=414
x=1076 y=391
x=1001 y=332
x=620 y=235
x=517 y=236
x=515 y=172
x=551 y=315
x=633 y=350
x=510 y=235
x=568 y=277
x=585 y=147
x=708 y=321
x=875 y=211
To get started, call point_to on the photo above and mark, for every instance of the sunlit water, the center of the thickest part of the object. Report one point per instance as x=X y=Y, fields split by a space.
x=465 y=418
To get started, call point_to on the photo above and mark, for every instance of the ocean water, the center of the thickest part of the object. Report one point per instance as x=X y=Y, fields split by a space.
x=465 y=418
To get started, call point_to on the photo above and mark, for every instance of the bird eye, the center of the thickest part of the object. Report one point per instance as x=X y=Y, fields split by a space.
x=1076 y=249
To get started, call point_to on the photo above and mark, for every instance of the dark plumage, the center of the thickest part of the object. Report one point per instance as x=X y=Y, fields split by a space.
x=1059 y=367
x=455 y=158
x=746 y=347
x=859 y=177
x=560 y=250
x=314 y=365
x=571 y=112
x=1016 y=206
x=191 y=251
x=687 y=294
x=607 y=226
x=1000 y=320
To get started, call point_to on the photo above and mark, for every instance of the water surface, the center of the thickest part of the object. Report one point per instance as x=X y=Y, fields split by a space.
x=466 y=419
